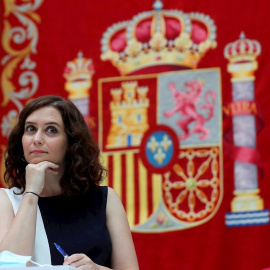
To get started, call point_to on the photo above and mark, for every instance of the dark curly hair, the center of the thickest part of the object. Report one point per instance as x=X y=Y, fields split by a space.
x=83 y=170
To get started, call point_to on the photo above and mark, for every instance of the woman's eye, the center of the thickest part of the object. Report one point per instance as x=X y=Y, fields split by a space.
x=51 y=130
x=30 y=128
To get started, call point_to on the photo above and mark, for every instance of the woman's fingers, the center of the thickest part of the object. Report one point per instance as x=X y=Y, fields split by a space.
x=73 y=259
x=80 y=261
x=49 y=167
x=42 y=166
x=35 y=175
x=46 y=164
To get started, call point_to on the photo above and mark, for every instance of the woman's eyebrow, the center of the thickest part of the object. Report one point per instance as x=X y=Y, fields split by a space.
x=49 y=123
x=52 y=123
x=30 y=123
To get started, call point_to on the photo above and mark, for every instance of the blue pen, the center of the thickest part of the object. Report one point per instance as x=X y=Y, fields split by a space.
x=61 y=250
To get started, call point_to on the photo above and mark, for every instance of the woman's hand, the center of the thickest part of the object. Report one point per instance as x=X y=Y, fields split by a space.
x=81 y=261
x=35 y=175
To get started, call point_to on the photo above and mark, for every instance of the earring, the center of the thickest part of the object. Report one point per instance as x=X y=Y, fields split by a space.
x=23 y=159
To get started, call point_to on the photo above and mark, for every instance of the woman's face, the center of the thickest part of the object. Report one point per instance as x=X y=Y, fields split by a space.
x=44 y=137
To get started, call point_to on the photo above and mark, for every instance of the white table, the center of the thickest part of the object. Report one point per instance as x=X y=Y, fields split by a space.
x=59 y=267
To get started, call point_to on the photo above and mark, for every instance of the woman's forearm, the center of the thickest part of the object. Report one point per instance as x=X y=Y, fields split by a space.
x=20 y=236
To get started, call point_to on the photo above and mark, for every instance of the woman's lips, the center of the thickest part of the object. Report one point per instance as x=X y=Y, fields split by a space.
x=38 y=152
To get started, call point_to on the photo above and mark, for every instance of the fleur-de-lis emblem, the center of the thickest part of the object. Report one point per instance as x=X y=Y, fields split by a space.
x=153 y=144
x=159 y=149
x=166 y=142
x=159 y=156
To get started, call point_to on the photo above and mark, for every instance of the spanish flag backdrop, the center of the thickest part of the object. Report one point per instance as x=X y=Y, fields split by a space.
x=176 y=94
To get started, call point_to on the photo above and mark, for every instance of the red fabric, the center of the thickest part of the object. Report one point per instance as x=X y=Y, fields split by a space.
x=69 y=26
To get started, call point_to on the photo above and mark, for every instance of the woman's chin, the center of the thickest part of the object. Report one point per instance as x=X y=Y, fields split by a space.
x=38 y=160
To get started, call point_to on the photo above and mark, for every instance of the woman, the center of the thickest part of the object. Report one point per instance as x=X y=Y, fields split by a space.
x=53 y=174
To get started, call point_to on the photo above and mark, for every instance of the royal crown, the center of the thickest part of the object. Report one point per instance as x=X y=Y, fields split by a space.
x=160 y=38
x=78 y=74
x=79 y=69
x=242 y=50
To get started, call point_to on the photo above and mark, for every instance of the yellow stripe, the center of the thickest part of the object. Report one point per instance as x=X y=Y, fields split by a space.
x=156 y=183
x=117 y=174
x=143 y=193
x=104 y=160
x=130 y=207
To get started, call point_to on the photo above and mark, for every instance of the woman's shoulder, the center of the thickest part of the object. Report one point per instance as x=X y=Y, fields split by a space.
x=5 y=201
x=5 y=192
x=106 y=194
x=113 y=199
x=11 y=196
x=112 y=193
x=11 y=191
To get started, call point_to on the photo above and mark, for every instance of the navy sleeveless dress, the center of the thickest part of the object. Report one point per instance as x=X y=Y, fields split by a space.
x=78 y=225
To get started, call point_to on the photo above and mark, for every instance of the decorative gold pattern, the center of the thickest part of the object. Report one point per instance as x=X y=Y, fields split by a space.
x=191 y=185
x=26 y=33
x=19 y=43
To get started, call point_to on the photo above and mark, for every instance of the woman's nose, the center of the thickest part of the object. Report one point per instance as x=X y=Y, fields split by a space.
x=38 y=140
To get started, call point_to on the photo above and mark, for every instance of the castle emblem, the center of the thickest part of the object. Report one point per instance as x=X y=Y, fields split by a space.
x=129 y=116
